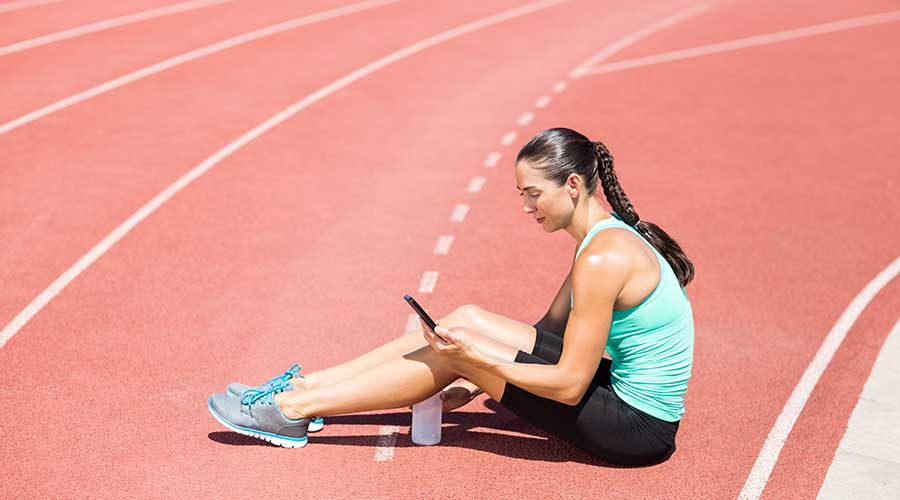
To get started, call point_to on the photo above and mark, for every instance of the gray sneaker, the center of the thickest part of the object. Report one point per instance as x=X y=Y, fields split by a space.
x=256 y=414
x=238 y=390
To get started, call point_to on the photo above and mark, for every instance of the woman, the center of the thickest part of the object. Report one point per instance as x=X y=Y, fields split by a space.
x=621 y=294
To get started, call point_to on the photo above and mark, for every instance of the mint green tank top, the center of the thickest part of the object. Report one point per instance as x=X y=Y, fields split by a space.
x=652 y=343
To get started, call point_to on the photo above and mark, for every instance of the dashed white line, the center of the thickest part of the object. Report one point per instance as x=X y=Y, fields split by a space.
x=476 y=184
x=559 y=86
x=412 y=324
x=637 y=36
x=508 y=138
x=491 y=160
x=24 y=4
x=429 y=280
x=106 y=24
x=542 y=101
x=753 y=41
x=119 y=232
x=197 y=54
x=768 y=455
x=387 y=439
x=443 y=245
x=459 y=213
x=525 y=119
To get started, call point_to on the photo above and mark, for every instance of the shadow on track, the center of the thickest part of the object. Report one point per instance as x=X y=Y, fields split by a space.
x=459 y=434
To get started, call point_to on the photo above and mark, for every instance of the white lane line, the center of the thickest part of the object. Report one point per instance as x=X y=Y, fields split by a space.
x=559 y=86
x=412 y=324
x=871 y=437
x=429 y=280
x=491 y=160
x=384 y=446
x=508 y=138
x=24 y=4
x=542 y=101
x=187 y=57
x=768 y=455
x=475 y=184
x=753 y=41
x=459 y=213
x=118 y=233
x=525 y=119
x=443 y=245
x=637 y=36
x=106 y=24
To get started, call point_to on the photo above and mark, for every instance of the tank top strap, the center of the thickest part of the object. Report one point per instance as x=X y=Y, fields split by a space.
x=613 y=221
x=616 y=221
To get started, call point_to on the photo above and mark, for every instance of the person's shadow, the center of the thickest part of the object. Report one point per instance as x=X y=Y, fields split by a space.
x=531 y=443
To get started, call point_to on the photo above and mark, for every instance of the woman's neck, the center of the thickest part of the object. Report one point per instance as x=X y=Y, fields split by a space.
x=584 y=219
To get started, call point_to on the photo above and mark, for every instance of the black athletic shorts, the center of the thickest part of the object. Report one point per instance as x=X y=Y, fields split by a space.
x=601 y=424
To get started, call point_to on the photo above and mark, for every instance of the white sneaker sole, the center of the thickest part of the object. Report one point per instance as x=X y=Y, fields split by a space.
x=285 y=442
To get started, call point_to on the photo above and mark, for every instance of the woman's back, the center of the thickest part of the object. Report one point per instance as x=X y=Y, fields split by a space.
x=652 y=343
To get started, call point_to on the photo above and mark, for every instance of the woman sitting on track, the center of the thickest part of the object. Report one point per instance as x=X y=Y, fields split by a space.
x=621 y=294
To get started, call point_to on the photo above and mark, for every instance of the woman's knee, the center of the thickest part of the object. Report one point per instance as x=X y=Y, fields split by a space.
x=467 y=315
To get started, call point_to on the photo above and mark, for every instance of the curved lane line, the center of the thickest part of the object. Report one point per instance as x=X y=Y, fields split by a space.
x=24 y=4
x=877 y=407
x=106 y=24
x=741 y=43
x=118 y=233
x=637 y=36
x=187 y=57
x=768 y=455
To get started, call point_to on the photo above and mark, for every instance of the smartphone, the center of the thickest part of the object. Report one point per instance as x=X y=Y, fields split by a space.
x=422 y=314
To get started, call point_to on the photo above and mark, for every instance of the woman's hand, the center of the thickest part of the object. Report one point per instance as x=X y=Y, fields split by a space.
x=453 y=342
x=458 y=394
x=455 y=396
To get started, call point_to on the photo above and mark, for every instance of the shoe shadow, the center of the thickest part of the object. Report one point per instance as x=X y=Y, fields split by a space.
x=530 y=443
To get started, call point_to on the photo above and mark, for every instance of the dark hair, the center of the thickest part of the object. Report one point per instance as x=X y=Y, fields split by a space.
x=560 y=152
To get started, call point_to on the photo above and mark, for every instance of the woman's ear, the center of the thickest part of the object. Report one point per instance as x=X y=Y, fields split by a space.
x=573 y=184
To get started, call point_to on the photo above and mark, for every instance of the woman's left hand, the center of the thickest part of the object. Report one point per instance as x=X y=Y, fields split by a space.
x=457 y=346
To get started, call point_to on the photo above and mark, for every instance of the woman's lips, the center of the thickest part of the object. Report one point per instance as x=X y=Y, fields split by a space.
x=540 y=220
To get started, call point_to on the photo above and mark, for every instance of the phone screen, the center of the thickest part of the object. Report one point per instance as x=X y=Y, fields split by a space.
x=422 y=314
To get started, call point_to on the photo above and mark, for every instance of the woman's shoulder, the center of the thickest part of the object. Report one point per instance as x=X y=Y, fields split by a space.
x=615 y=245
x=615 y=254
x=605 y=262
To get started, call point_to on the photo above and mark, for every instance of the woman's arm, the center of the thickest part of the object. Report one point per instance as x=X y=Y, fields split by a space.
x=597 y=279
x=558 y=314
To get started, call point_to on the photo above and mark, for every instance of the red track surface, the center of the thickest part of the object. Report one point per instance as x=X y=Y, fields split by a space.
x=775 y=168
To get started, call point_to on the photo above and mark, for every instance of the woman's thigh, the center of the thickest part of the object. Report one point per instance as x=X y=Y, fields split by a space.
x=496 y=326
x=601 y=424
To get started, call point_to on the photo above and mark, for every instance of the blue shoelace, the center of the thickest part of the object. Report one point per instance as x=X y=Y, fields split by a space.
x=293 y=371
x=251 y=396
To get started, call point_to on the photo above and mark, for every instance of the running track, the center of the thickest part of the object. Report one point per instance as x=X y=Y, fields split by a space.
x=774 y=166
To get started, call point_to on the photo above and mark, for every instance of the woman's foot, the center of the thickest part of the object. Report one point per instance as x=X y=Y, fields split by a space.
x=256 y=414
x=289 y=380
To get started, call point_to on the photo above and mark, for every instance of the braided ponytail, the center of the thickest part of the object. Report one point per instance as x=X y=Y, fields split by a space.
x=561 y=152
x=618 y=200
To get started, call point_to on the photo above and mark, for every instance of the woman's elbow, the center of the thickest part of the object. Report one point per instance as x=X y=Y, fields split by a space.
x=572 y=395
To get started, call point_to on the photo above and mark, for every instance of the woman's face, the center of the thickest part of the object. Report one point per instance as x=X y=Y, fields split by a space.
x=550 y=205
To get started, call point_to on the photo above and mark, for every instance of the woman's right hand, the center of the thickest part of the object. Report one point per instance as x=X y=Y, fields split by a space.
x=455 y=396
x=458 y=394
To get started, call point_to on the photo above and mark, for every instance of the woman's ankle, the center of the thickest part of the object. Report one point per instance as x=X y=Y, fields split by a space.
x=305 y=382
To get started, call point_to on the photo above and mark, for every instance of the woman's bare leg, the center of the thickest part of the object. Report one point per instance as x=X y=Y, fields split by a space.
x=413 y=377
x=500 y=328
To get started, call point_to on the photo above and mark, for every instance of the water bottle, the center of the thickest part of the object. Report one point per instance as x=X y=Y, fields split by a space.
x=426 y=420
